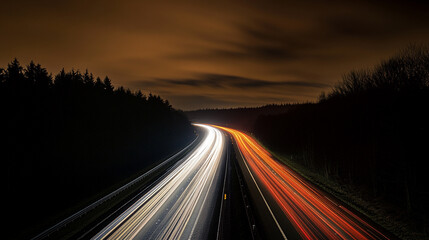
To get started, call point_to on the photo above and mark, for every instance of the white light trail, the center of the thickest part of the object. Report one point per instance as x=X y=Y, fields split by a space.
x=181 y=204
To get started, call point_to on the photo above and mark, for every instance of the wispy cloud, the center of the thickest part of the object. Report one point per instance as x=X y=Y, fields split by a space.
x=237 y=53
x=230 y=81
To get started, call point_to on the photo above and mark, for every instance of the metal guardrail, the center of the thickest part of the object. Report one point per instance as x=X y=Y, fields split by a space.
x=88 y=208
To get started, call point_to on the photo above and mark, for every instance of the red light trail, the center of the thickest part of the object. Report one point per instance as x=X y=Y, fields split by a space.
x=312 y=214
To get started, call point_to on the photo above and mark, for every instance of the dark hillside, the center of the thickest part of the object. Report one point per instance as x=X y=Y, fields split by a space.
x=70 y=136
x=238 y=118
x=371 y=132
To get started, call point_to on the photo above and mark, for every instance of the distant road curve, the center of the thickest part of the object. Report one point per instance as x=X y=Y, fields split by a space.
x=182 y=204
x=289 y=197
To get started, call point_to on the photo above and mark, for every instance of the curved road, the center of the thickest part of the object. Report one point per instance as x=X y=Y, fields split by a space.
x=182 y=204
x=297 y=208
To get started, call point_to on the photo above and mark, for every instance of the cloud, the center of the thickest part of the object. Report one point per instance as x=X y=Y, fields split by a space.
x=217 y=52
x=230 y=81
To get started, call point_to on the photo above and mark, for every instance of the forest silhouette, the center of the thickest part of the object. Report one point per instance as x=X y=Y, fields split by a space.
x=71 y=136
x=370 y=132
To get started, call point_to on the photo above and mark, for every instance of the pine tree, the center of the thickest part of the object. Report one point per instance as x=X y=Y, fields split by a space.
x=108 y=85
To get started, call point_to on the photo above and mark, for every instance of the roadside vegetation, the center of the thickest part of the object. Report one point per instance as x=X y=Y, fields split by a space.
x=71 y=136
x=365 y=141
x=367 y=137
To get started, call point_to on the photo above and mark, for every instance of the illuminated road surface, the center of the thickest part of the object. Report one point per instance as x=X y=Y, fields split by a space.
x=181 y=205
x=312 y=214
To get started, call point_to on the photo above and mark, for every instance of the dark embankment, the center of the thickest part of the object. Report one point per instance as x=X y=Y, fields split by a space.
x=365 y=141
x=68 y=138
x=370 y=132
x=238 y=118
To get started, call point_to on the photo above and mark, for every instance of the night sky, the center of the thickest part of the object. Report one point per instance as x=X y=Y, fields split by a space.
x=219 y=54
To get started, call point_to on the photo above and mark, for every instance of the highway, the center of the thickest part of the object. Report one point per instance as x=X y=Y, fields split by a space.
x=296 y=208
x=181 y=205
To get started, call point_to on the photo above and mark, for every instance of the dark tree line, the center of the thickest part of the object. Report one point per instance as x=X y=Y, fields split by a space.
x=238 y=118
x=69 y=136
x=371 y=131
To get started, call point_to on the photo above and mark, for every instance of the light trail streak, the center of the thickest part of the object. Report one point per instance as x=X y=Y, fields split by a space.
x=180 y=206
x=312 y=214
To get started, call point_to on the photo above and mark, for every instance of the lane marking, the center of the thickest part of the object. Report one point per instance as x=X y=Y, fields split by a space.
x=262 y=195
x=223 y=191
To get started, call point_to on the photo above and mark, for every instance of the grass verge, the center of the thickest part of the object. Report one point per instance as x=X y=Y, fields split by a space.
x=386 y=215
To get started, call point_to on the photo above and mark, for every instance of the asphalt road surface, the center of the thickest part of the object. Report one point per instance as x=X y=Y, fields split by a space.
x=292 y=207
x=182 y=204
